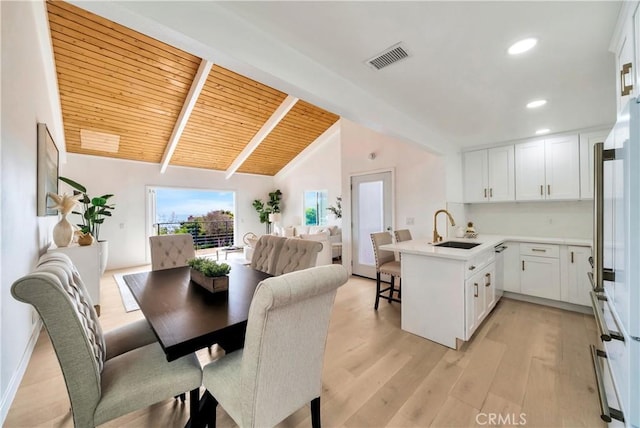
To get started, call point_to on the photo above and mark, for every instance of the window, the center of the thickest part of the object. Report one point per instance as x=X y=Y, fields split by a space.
x=315 y=207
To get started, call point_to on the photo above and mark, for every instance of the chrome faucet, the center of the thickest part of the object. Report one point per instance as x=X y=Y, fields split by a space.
x=436 y=236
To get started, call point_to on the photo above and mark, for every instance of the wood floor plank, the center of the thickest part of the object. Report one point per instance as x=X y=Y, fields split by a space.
x=498 y=411
x=455 y=413
x=474 y=383
x=542 y=395
x=423 y=405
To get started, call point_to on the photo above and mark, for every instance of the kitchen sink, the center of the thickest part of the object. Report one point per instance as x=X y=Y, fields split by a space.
x=457 y=244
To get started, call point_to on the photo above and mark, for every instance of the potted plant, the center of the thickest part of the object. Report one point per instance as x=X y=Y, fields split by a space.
x=271 y=207
x=93 y=214
x=209 y=274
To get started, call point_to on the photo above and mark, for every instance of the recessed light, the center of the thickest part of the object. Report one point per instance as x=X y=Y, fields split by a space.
x=522 y=46
x=536 y=103
x=542 y=131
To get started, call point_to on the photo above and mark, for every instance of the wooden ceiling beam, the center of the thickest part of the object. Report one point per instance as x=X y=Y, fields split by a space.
x=196 y=87
x=264 y=131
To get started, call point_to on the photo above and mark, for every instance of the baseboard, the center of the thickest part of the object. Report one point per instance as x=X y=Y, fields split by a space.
x=548 y=302
x=14 y=383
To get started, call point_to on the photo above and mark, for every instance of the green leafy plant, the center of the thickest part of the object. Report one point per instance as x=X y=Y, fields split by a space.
x=94 y=209
x=208 y=267
x=337 y=210
x=271 y=206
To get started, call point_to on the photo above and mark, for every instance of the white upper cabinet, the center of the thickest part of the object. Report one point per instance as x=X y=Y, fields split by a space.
x=548 y=169
x=562 y=167
x=501 y=174
x=626 y=47
x=489 y=175
x=587 y=141
x=530 y=171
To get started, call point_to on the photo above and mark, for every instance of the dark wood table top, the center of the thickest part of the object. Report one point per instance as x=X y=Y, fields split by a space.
x=185 y=317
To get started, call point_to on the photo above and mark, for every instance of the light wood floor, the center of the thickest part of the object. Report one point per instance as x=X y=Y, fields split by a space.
x=527 y=363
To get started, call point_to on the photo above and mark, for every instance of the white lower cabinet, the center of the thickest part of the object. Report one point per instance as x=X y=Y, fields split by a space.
x=578 y=285
x=480 y=298
x=511 y=267
x=540 y=270
x=550 y=271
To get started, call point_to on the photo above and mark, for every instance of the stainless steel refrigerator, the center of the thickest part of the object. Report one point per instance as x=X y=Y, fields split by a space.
x=616 y=270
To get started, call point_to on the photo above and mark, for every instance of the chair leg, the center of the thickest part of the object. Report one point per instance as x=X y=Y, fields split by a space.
x=400 y=289
x=210 y=409
x=377 y=291
x=194 y=407
x=315 y=412
x=391 y=287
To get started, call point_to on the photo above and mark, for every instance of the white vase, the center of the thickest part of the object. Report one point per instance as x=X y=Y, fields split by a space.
x=63 y=232
x=104 y=255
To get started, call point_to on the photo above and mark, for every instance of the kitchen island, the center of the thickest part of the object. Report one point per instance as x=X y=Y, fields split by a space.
x=447 y=292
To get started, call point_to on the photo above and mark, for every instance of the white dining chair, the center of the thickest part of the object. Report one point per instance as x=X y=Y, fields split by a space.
x=280 y=368
x=171 y=251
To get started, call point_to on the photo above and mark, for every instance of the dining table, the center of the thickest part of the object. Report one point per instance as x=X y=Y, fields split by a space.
x=187 y=317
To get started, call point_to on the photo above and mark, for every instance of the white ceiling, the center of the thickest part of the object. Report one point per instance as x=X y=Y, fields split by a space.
x=459 y=88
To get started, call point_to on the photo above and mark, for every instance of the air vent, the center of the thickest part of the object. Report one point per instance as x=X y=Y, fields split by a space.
x=393 y=54
x=101 y=141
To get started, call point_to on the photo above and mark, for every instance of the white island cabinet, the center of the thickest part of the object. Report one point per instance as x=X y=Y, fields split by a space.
x=446 y=292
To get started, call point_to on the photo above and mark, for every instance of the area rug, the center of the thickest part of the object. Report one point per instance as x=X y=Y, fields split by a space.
x=128 y=301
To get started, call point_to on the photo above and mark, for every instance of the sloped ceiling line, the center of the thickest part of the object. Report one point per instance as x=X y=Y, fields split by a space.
x=264 y=131
x=196 y=88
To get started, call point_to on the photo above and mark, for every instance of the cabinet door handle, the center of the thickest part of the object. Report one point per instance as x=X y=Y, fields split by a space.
x=548 y=189
x=475 y=292
x=523 y=265
x=488 y=280
x=491 y=192
x=572 y=257
x=541 y=190
x=624 y=88
x=472 y=267
x=485 y=192
x=540 y=250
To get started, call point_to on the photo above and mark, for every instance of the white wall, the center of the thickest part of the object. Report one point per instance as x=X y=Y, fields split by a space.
x=127 y=180
x=545 y=219
x=25 y=102
x=318 y=168
x=420 y=179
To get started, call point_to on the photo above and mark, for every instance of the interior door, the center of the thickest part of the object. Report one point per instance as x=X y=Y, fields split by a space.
x=371 y=201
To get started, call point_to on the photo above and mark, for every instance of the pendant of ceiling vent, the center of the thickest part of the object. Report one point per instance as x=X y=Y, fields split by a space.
x=389 y=56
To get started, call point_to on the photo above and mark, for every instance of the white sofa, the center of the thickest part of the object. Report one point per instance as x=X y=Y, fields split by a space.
x=330 y=236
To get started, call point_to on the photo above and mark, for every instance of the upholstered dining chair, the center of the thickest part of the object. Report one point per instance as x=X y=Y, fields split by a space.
x=280 y=368
x=298 y=254
x=119 y=340
x=266 y=253
x=171 y=251
x=100 y=388
x=385 y=264
x=402 y=235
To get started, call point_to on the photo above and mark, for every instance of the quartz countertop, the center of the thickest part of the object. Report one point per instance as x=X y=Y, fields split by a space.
x=423 y=247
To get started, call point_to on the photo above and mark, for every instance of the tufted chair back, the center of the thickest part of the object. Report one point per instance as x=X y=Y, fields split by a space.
x=382 y=256
x=266 y=253
x=60 y=298
x=171 y=251
x=403 y=235
x=297 y=254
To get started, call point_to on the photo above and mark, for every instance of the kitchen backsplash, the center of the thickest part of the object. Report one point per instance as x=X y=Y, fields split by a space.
x=541 y=219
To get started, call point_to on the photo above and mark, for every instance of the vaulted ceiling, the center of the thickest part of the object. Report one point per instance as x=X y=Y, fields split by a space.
x=129 y=96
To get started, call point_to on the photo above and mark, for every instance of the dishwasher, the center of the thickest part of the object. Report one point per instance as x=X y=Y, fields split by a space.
x=499 y=275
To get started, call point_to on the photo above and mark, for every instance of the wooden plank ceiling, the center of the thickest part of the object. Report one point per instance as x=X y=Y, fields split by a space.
x=123 y=91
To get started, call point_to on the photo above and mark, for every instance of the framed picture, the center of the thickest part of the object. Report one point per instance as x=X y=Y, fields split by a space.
x=47 y=169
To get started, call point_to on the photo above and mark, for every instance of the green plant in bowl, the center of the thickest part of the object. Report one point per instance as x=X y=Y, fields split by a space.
x=209 y=268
